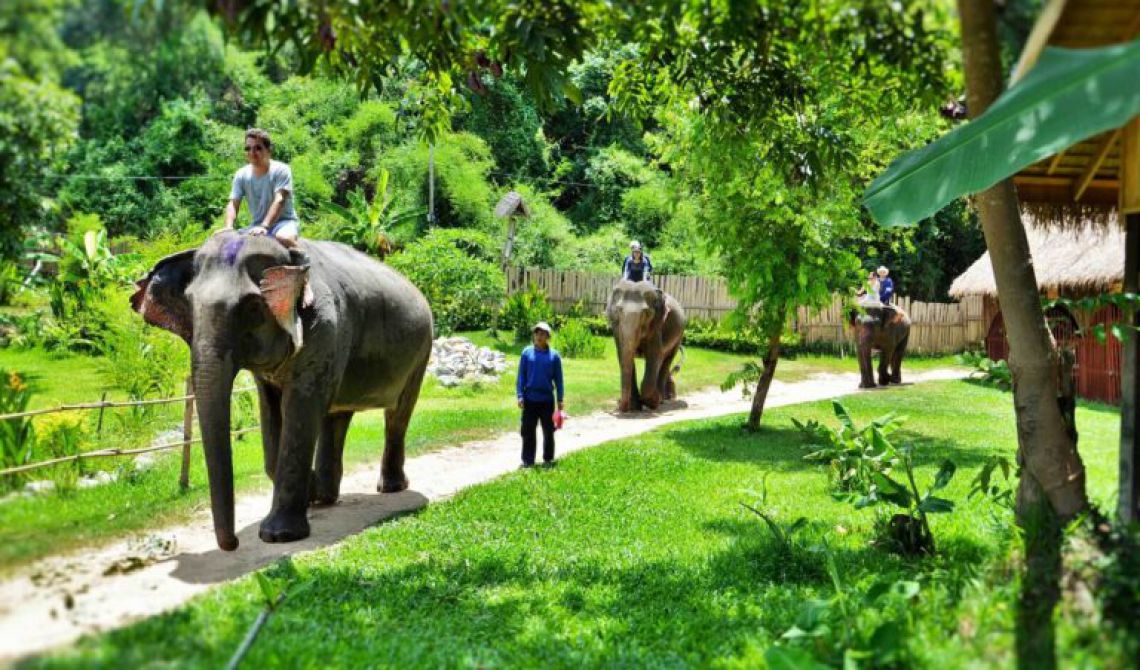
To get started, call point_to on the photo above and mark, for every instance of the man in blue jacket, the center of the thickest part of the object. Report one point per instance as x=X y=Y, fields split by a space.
x=540 y=375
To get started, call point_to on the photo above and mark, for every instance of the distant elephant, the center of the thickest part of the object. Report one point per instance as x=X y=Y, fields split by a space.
x=324 y=338
x=649 y=323
x=887 y=329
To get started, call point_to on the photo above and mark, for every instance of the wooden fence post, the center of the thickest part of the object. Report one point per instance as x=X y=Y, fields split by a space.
x=187 y=434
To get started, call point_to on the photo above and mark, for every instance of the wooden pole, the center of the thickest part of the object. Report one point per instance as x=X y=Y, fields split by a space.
x=187 y=434
x=1129 y=504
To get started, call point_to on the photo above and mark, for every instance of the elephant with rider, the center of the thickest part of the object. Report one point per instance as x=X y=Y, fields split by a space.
x=886 y=328
x=326 y=331
x=647 y=323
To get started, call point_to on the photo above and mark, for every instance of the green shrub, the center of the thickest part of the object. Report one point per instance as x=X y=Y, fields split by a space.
x=522 y=310
x=463 y=289
x=17 y=436
x=990 y=373
x=575 y=340
x=863 y=465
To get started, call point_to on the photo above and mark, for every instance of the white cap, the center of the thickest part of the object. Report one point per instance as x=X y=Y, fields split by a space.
x=883 y=270
x=542 y=325
x=635 y=245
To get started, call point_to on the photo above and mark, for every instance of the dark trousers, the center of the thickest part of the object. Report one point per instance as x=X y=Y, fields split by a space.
x=534 y=412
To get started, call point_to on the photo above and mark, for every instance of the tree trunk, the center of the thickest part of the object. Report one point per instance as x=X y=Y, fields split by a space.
x=765 y=382
x=1052 y=486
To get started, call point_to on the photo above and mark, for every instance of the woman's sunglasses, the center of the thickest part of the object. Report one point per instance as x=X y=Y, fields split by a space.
x=253 y=148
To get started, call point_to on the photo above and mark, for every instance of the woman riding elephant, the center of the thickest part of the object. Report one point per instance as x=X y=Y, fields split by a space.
x=646 y=322
x=323 y=341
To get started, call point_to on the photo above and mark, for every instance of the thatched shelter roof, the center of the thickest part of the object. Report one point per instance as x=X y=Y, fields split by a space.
x=1082 y=183
x=1072 y=260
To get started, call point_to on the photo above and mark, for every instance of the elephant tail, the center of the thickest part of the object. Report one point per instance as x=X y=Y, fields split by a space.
x=677 y=367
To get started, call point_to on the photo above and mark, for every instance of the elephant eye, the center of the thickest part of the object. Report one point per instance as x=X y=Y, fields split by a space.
x=251 y=311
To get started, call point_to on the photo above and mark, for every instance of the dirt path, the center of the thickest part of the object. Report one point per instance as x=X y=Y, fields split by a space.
x=58 y=599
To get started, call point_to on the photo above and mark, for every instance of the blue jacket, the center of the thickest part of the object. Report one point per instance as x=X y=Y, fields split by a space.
x=540 y=371
x=886 y=290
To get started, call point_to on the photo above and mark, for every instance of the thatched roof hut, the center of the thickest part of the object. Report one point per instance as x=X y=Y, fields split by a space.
x=1072 y=261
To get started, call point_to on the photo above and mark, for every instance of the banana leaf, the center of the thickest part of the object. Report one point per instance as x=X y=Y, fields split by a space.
x=1071 y=95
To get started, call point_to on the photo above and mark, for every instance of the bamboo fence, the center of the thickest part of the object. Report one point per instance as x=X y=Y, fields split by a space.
x=702 y=297
x=187 y=432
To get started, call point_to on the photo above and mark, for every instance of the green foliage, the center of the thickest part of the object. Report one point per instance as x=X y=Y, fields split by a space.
x=38 y=120
x=510 y=124
x=854 y=454
x=862 y=460
x=522 y=310
x=464 y=196
x=984 y=484
x=10 y=281
x=366 y=225
x=990 y=373
x=17 y=436
x=610 y=174
x=850 y=628
x=463 y=288
x=144 y=362
x=783 y=534
x=575 y=340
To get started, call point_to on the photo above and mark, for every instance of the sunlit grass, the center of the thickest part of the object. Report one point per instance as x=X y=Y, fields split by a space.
x=638 y=554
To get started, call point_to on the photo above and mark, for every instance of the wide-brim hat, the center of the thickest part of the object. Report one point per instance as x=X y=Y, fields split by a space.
x=883 y=270
x=544 y=326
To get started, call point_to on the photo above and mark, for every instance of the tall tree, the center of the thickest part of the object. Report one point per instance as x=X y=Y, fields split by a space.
x=1052 y=485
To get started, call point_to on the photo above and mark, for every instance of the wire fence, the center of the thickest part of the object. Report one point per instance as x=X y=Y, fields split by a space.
x=187 y=440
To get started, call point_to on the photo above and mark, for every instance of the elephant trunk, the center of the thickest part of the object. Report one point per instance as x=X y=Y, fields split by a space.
x=628 y=337
x=214 y=373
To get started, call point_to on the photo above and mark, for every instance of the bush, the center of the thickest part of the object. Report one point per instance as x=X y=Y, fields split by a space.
x=16 y=435
x=463 y=289
x=987 y=372
x=522 y=310
x=576 y=341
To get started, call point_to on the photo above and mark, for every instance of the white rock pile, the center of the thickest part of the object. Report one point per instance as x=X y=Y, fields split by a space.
x=455 y=360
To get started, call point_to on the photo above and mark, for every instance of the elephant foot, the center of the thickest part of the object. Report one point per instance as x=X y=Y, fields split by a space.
x=623 y=406
x=392 y=484
x=325 y=491
x=867 y=385
x=896 y=381
x=282 y=527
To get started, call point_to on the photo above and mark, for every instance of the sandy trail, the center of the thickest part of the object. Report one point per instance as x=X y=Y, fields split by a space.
x=58 y=599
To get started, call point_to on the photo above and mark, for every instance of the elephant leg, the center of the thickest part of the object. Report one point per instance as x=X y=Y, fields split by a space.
x=396 y=420
x=866 y=376
x=270 y=400
x=329 y=468
x=302 y=416
x=668 y=388
x=897 y=359
x=885 y=354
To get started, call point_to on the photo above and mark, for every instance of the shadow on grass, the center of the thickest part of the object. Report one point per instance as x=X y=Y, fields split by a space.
x=328 y=525
x=781 y=446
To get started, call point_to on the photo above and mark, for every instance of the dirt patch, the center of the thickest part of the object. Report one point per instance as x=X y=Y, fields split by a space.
x=58 y=599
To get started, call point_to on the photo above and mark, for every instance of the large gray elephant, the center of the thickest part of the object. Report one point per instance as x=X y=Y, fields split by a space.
x=649 y=323
x=324 y=338
x=887 y=329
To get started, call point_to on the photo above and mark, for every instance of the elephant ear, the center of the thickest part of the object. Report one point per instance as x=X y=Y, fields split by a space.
x=662 y=309
x=161 y=295
x=285 y=288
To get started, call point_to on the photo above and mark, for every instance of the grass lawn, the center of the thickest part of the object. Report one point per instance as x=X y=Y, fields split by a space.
x=637 y=553
x=34 y=527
